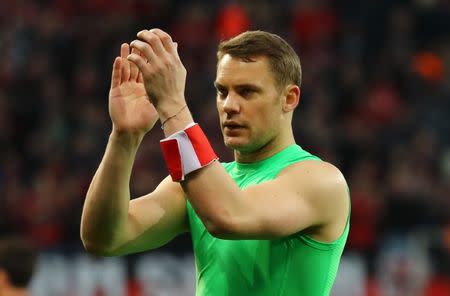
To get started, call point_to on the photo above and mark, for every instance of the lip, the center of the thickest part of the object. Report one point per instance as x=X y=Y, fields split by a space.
x=232 y=128
x=232 y=125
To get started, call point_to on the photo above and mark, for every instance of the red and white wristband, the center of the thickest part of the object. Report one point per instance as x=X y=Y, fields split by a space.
x=186 y=151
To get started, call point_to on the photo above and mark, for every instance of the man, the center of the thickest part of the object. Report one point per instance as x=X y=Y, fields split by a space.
x=274 y=222
x=17 y=261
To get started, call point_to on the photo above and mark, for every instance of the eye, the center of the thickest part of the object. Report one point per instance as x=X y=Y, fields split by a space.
x=222 y=92
x=245 y=92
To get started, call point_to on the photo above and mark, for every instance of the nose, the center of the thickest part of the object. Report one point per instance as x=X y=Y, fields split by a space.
x=231 y=104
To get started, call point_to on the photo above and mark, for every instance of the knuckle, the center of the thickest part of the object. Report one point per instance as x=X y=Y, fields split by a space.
x=156 y=31
x=145 y=34
x=145 y=46
x=137 y=44
x=151 y=37
x=146 y=73
x=166 y=38
x=141 y=63
x=166 y=62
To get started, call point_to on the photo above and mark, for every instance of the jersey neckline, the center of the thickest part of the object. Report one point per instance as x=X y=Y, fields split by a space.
x=245 y=167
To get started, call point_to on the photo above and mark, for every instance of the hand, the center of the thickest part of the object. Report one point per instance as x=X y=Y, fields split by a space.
x=163 y=73
x=130 y=108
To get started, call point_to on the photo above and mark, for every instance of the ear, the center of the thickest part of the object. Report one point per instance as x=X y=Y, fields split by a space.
x=291 y=98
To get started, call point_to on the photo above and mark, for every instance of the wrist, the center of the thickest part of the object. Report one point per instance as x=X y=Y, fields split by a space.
x=177 y=121
x=186 y=151
x=128 y=140
x=168 y=107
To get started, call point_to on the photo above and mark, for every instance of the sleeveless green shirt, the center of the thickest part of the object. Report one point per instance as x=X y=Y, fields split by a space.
x=294 y=265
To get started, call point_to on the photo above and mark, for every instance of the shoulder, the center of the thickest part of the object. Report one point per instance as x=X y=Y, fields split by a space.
x=320 y=183
x=316 y=174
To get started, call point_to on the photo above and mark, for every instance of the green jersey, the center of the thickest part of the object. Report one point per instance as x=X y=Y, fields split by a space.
x=293 y=265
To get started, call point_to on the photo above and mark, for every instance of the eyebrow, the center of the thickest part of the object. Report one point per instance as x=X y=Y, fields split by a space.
x=239 y=86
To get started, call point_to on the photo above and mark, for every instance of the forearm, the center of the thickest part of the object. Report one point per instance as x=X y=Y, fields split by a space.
x=216 y=198
x=105 y=211
x=212 y=192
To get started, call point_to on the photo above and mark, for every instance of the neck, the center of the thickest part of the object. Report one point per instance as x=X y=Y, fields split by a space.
x=272 y=147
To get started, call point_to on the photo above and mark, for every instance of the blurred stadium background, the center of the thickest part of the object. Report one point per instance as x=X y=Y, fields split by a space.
x=376 y=102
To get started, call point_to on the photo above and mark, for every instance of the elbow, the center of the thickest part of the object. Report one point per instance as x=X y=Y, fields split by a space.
x=222 y=228
x=242 y=227
x=218 y=231
x=97 y=249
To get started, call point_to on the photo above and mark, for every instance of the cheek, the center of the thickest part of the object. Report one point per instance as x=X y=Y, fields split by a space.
x=266 y=116
x=268 y=122
x=262 y=125
x=219 y=108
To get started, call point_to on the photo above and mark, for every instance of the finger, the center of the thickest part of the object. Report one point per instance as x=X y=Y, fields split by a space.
x=143 y=56
x=124 y=52
x=116 y=72
x=146 y=49
x=175 y=46
x=134 y=71
x=154 y=41
x=140 y=79
x=165 y=38
x=139 y=61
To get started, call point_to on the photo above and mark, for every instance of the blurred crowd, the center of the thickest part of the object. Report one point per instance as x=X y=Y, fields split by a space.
x=375 y=102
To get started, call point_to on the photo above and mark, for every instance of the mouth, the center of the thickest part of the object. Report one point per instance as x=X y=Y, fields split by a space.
x=232 y=126
x=232 y=129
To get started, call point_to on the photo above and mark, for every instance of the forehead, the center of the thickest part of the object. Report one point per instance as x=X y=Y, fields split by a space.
x=233 y=71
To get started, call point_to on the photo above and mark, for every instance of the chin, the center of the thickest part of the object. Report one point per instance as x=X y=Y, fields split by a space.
x=235 y=144
x=240 y=145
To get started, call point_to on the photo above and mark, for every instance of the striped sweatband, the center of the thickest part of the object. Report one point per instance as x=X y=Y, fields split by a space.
x=186 y=151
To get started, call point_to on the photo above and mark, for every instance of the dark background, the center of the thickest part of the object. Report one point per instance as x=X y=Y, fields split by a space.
x=375 y=102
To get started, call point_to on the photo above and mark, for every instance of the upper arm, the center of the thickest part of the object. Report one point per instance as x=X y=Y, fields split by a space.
x=307 y=195
x=154 y=219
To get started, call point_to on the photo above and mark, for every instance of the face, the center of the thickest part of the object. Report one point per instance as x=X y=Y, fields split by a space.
x=248 y=103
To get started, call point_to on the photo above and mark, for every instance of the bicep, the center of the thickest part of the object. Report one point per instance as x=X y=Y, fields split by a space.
x=301 y=197
x=155 y=219
x=275 y=209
